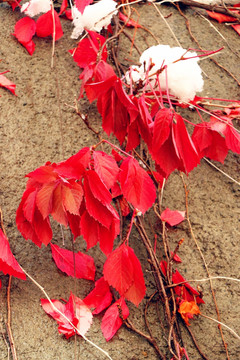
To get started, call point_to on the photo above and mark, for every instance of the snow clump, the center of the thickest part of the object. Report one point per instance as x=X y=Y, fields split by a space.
x=35 y=7
x=184 y=77
x=95 y=17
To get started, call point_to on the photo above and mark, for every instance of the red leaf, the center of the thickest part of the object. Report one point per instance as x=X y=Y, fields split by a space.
x=44 y=199
x=172 y=217
x=123 y=271
x=63 y=7
x=8 y=263
x=100 y=297
x=64 y=259
x=210 y=143
x=128 y=22
x=24 y=30
x=72 y=195
x=45 y=25
x=93 y=232
x=95 y=208
x=185 y=291
x=232 y=138
x=137 y=187
x=75 y=310
x=81 y=4
x=236 y=28
x=58 y=211
x=43 y=174
x=187 y=309
x=7 y=84
x=184 y=145
x=75 y=166
x=220 y=17
x=161 y=129
x=88 y=49
x=97 y=187
x=106 y=168
x=112 y=321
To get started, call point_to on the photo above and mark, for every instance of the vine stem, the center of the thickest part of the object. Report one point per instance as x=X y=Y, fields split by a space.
x=204 y=262
x=222 y=324
x=64 y=316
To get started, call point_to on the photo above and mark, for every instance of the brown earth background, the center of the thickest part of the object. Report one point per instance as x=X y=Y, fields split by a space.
x=38 y=126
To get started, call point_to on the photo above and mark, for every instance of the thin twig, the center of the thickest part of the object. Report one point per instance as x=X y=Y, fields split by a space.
x=221 y=171
x=64 y=316
x=9 y=330
x=196 y=344
x=222 y=324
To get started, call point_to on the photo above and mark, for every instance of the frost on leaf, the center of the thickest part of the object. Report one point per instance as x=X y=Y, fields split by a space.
x=75 y=310
x=94 y=17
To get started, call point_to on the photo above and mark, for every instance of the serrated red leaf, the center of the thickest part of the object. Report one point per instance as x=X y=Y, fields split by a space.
x=77 y=265
x=75 y=310
x=24 y=30
x=172 y=217
x=72 y=195
x=137 y=186
x=112 y=321
x=44 y=198
x=123 y=271
x=58 y=211
x=232 y=138
x=42 y=228
x=8 y=263
x=100 y=297
x=106 y=168
x=7 y=84
x=44 y=25
x=43 y=174
x=185 y=291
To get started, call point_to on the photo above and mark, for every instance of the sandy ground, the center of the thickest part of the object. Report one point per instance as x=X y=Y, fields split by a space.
x=37 y=126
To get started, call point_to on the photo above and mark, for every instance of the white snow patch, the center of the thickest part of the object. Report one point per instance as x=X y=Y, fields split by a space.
x=95 y=17
x=184 y=77
x=35 y=7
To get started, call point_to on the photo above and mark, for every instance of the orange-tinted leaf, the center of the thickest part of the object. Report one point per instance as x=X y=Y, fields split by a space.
x=44 y=198
x=58 y=212
x=188 y=309
x=72 y=196
x=77 y=265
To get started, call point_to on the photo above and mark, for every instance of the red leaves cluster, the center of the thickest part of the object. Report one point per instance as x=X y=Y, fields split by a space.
x=76 y=193
x=47 y=24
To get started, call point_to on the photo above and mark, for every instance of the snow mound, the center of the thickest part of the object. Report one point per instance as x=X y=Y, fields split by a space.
x=95 y=17
x=35 y=7
x=184 y=77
